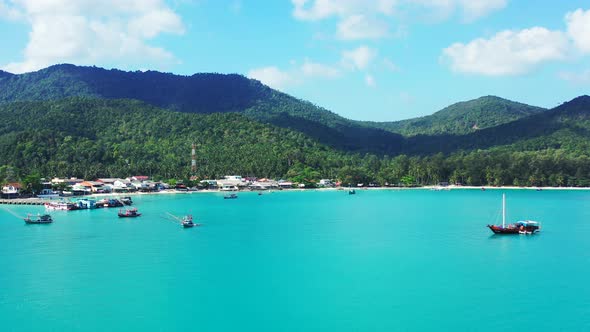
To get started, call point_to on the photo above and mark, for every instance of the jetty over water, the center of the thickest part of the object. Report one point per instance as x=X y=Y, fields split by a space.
x=23 y=201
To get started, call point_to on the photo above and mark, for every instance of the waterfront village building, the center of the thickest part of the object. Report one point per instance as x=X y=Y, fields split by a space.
x=69 y=182
x=11 y=190
x=326 y=183
x=263 y=184
x=117 y=185
x=211 y=184
x=93 y=186
x=231 y=183
x=285 y=184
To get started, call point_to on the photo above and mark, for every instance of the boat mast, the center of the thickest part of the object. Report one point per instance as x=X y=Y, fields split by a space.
x=503 y=210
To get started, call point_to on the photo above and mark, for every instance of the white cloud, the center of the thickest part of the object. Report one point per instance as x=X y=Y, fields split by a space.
x=578 y=29
x=474 y=9
x=581 y=78
x=273 y=77
x=312 y=10
x=312 y=69
x=9 y=12
x=390 y=65
x=508 y=52
x=359 y=58
x=370 y=80
x=366 y=19
x=93 y=31
x=360 y=27
x=280 y=79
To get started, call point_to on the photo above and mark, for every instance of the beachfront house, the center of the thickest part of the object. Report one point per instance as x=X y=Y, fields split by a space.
x=93 y=186
x=209 y=184
x=326 y=183
x=263 y=184
x=285 y=184
x=11 y=190
x=231 y=183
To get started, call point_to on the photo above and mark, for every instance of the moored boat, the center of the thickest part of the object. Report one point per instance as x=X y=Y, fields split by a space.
x=39 y=219
x=187 y=221
x=129 y=213
x=230 y=196
x=519 y=227
x=60 y=206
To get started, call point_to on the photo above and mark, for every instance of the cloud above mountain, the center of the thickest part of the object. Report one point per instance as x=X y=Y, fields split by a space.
x=514 y=52
x=92 y=31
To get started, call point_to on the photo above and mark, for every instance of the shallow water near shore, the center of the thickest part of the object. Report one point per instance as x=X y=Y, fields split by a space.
x=380 y=260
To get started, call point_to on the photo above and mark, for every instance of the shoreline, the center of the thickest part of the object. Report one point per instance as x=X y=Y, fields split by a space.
x=433 y=188
x=217 y=191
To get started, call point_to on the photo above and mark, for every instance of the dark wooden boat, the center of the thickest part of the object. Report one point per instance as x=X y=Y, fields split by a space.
x=230 y=196
x=519 y=227
x=351 y=192
x=129 y=213
x=39 y=219
x=187 y=221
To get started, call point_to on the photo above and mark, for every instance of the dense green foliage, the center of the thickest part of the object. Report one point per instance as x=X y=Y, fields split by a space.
x=199 y=93
x=68 y=121
x=565 y=127
x=92 y=138
x=462 y=118
x=4 y=74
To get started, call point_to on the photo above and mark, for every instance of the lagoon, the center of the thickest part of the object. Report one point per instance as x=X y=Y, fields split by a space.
x=380 y=260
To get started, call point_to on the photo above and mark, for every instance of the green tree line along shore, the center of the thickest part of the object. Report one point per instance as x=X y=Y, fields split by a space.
x=88 y=122
x=91 y=138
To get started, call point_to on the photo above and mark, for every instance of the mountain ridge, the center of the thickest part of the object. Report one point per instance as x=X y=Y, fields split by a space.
x=463 y=117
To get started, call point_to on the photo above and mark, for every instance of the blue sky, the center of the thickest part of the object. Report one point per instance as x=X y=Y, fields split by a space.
x=379 y=60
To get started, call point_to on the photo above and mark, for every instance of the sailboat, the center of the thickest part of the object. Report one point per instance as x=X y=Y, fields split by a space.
x=519 y=227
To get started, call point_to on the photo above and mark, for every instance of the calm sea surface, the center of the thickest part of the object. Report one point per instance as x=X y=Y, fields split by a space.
x=302 y=261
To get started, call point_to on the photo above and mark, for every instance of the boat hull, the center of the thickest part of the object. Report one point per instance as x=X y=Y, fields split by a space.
x=123 y=215
x=513 y=229
x=45 y=219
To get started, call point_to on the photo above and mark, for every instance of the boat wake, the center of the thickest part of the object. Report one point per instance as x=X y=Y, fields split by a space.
x=13 y=213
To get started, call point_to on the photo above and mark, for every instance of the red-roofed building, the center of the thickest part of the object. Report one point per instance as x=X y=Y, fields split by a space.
x=140 y=178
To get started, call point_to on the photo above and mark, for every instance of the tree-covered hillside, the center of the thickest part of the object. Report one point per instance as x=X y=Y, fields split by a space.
x=462 y=118
x=4 y=74
x=565 y=127
x=200 y=93
x=92 y=138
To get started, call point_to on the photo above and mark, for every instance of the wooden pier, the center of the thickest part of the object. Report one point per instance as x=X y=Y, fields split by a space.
x=23 y=201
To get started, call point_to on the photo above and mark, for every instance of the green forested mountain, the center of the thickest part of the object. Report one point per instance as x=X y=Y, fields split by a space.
x=4 y=74
x=564 y=127
x=92 y=137
x=68 y=121
x=200 y=93
x=462 y=118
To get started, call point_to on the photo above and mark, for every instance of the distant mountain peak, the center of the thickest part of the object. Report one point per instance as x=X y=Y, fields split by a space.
x=5 y=74
x=464 y=117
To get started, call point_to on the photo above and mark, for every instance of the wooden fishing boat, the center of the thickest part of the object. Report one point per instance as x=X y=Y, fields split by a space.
x=39 y=219
x=129 y=213
x=187 y=221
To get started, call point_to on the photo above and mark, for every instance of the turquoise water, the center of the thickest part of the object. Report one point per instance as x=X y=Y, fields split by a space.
x=302 y=261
